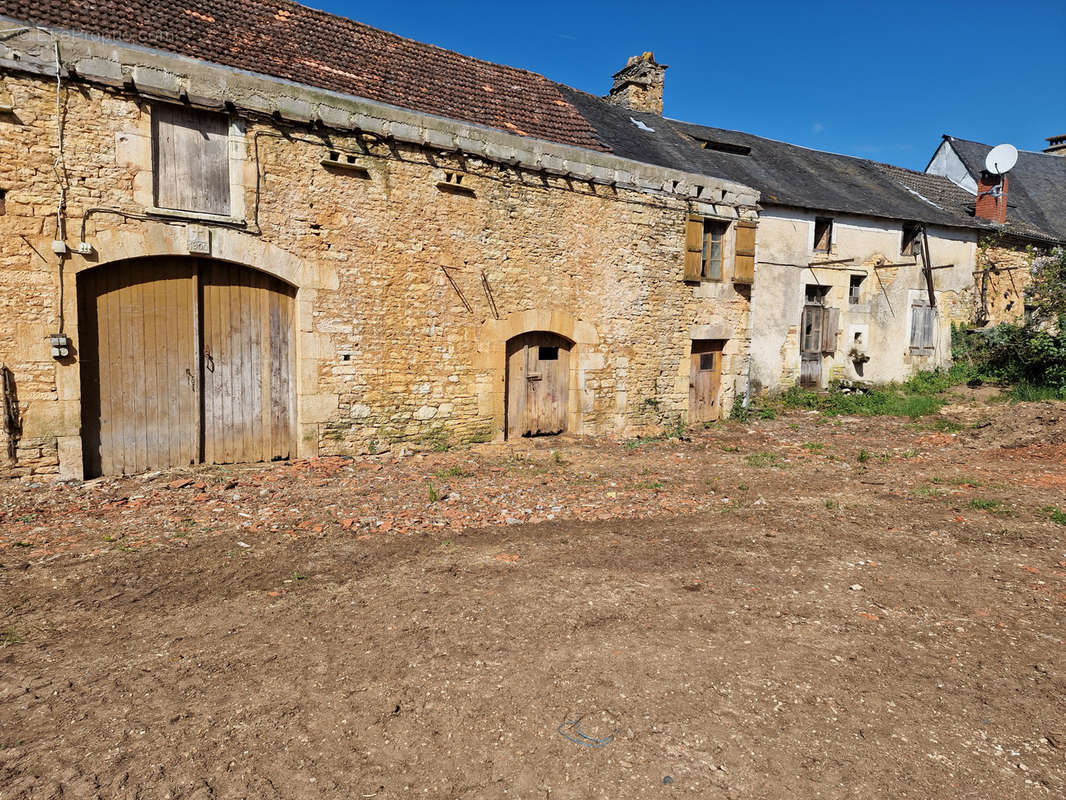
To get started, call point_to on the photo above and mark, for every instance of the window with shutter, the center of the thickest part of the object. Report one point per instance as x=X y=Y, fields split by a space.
x=923 y=329
x=744 y=253
x=191 y=160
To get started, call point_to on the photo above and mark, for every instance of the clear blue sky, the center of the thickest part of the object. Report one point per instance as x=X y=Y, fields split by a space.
x=880 y=80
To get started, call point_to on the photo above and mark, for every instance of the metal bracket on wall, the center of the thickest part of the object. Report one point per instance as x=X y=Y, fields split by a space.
x=455 y=286
x=488 y=295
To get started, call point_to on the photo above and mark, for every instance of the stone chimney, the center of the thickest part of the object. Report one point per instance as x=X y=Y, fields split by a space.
x=991 y=197
x=639 y=86
x=1056 y=145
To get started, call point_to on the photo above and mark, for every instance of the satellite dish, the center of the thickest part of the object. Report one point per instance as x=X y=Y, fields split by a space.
x=1001 y=159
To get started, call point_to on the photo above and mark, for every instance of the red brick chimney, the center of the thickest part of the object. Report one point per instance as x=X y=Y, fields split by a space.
x=991 y=197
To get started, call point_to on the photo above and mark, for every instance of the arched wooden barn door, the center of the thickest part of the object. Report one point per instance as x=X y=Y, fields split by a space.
x=538 y=384
x=184 y=360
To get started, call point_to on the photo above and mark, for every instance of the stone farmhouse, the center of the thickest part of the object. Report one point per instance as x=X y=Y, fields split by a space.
x=252 y=231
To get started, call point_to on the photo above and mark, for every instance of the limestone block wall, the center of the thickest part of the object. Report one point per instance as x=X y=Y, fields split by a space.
x=407 y=287
x=883 y=314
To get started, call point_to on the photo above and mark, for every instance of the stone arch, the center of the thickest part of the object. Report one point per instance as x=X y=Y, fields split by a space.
x=492 y=338
x=307 y=277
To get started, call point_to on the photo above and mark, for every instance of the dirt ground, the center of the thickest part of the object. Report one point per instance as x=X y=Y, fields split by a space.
x=787 y=608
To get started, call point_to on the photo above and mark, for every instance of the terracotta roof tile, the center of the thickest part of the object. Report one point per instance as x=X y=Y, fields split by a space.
x=286 y=40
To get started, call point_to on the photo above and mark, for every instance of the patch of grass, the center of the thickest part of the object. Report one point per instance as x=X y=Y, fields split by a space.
x=1055 y=515
x=909 y=453
x=730 y=448
x=557 y=458
x=10 y=635
x=743 y=487
x=479 y=437
x=940 y=425
x=23 y=544
x=764 y=459
x=814 y=447
x=432 y=492
x=919 y=396
x=1029 y=393
x=26 y=518
x=450 y=472
x=928 y=491
x=988 y=504
x=648 y=485
x=296 y=576
x=864 y=456
x=832 y=504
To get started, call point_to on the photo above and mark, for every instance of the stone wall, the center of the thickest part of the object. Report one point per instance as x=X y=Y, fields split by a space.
x=388 y=351
x=1003 y=271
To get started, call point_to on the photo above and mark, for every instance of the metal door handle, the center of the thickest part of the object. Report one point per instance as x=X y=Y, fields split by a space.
x=209 y=363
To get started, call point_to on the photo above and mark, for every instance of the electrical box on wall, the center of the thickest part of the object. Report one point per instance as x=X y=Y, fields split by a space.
x=60 y=345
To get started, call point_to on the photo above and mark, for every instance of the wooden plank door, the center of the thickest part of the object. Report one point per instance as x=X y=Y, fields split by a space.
x=705 y=380
x=538 y=384
x=249 y=402
x=139 y=366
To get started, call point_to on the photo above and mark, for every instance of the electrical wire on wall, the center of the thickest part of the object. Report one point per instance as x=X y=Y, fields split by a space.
x=59 y=167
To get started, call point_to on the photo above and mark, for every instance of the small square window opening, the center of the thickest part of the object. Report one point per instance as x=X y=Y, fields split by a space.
x=823 y=234
x=706 y=362
x=815 y=294
x=548 y=353
x=855 y=289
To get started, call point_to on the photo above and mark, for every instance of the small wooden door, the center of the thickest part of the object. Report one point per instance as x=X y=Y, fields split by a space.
x=139 y=365
x=705 y=380
x=248 y=353
x=538 y=384
x=184 y=360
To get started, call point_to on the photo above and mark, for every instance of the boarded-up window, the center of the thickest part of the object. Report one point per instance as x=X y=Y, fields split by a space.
x=744 y=253
x=823 y=234
x=923 y=328
x=191 y=160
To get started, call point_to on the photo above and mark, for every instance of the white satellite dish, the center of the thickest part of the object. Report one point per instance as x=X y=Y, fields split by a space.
x=1001 y=159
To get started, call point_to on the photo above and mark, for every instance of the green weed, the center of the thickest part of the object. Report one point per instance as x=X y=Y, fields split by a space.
x=1055 y=515
x=764 y=460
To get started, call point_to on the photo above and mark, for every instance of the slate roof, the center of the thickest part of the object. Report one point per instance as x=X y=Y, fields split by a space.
x=287 y=40
x=1036 y=191
x=785 y=174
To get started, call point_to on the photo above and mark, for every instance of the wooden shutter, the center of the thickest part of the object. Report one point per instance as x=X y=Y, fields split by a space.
x=830 y=323
x=191 y=155
x=693 y=248
x=923 y=329
x=744 y=253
